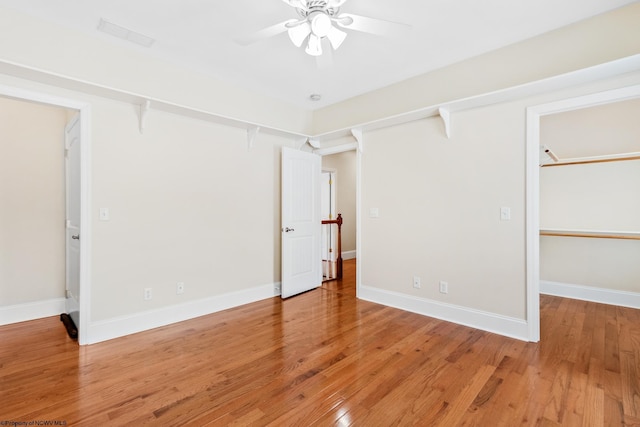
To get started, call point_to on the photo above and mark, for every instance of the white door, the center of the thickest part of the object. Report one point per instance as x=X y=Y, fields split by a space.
x=301 y=223
x=72 y=172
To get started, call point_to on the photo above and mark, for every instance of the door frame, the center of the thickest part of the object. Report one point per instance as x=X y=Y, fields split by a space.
x=534 y=114
x=358 y=147
x=84 y=110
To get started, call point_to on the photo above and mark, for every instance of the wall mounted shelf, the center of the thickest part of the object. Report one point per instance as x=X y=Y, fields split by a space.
x=444 y=110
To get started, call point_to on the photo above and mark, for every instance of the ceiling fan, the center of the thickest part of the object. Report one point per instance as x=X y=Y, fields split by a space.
x=316 y=24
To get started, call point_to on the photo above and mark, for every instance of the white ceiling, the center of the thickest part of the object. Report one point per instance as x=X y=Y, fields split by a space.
x=200 y=34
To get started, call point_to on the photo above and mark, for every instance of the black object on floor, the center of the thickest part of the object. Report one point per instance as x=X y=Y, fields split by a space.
x=71 y=327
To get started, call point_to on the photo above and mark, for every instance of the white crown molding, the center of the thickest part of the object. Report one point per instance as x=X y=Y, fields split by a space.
x=445 y=109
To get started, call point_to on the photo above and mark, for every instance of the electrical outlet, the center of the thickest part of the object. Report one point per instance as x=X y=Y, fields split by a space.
x=444 y=287
x=147 y=294
x=180 y=288
x=416 y=282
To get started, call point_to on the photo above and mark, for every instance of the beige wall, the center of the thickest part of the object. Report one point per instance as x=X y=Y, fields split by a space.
x=439 y=206
x=597 y=196
x=600 y=196
x=439 y=203
x=594 y=41
x=45 y=46
x=189 y=202
x=595 y=131
x=601 y=263
x=32 y=204
x=345 y=166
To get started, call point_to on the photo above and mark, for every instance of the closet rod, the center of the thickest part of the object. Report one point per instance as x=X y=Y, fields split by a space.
x=591 y=234
x=602 y=159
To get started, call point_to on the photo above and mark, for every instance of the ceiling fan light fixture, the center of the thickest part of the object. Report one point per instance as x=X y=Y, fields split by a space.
x=299 y=33
x=320 y=24
x=314 y=47
x=336 y=37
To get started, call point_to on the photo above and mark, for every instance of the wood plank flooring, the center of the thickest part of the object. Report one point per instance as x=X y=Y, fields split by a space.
x=324 y=358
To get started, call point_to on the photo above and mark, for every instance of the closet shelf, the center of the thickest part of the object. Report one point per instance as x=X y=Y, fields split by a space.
x=626 y=235
x=596 y=159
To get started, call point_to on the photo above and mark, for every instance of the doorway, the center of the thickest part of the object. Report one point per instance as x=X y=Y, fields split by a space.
x=534 y=115
x=83 y=202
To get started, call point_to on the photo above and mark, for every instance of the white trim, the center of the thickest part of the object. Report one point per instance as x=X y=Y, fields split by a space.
x=126 y=325
x=85 y=224
x=84 y=110
x=348 y=254
x=546 y=85
x=582 y=76
x=491 y=322
x=54 y=79
x=532 y=226
x=336 y=149
x=590 y=293
x=31 y=311
x=359 y=154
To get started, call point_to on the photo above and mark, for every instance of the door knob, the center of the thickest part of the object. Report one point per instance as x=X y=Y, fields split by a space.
x=76 y=237
x=287 y=229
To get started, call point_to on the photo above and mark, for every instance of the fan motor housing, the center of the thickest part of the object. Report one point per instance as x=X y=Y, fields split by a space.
x=318 y=6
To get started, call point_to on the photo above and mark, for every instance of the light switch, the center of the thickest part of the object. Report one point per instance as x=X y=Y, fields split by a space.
x=505 y=213
x=374 y=212
x=104 y=214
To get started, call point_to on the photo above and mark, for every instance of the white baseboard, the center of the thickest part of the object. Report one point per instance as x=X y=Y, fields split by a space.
x=126 y=325
x=502 y=325
x=589 y=293
x=31 y=311
x=348 y=254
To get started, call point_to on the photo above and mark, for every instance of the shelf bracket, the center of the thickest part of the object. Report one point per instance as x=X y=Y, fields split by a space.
x=314 y=143
x=252 y=134
x=357 y=134
x=144 y=110
x=298 y=143
x=445 y=115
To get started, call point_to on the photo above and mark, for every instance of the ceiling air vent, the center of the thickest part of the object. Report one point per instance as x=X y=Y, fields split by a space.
x=125 y=33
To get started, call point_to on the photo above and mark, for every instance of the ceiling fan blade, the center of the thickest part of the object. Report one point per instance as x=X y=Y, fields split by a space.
x=336 y=37
x=299 y=33
x=314 y=46
x=300 y=4
x=372 y=25
x=265 y=33
x=335 y=3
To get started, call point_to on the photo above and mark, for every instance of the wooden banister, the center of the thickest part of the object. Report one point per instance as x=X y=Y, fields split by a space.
x=338 y=222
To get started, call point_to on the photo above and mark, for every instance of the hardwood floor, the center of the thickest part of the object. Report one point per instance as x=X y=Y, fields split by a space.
x=326 y=358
